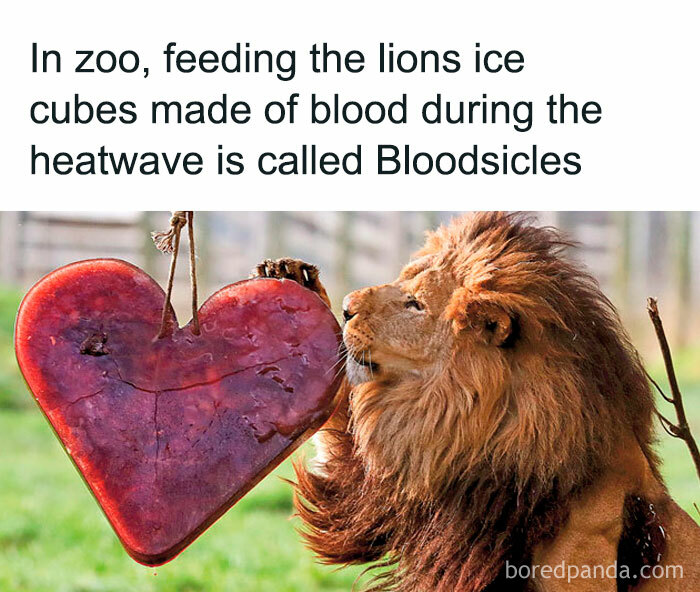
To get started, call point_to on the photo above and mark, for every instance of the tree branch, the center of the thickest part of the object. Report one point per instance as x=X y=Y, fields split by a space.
x=681 y=429
x=658 y=388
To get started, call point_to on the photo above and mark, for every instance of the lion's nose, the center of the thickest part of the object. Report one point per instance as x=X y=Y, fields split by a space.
x=350 y=307
x=351 y=304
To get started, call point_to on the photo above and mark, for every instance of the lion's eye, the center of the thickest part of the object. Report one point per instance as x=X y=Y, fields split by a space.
x=413 y=303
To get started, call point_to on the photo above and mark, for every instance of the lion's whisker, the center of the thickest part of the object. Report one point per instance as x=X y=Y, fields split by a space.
x=340 y=360
x=341 y=368
x=342 y=353
x=339 y=372
x=338 y=365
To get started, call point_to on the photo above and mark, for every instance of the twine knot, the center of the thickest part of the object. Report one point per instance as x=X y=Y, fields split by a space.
x=165 y=241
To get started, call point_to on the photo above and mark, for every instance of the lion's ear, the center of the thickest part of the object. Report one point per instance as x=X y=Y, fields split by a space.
x=481 y=313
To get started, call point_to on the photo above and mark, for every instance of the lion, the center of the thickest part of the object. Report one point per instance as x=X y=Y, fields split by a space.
x=495 y=426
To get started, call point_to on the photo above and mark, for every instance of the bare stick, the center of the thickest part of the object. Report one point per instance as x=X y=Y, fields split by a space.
x=681 y=429
x=193 y=273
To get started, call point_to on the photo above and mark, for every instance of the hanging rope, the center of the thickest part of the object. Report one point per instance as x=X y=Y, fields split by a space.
x=169 y=242
x=193 y=273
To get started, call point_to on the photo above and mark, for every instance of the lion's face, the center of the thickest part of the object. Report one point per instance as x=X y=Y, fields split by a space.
x=399 y=330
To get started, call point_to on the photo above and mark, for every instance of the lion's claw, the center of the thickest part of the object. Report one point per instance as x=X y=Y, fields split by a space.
x=296 y=270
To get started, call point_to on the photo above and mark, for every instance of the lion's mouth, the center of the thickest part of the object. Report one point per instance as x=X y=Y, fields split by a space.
x=365 y=359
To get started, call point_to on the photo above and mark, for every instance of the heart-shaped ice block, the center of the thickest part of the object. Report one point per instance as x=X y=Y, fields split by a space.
x=169 y=433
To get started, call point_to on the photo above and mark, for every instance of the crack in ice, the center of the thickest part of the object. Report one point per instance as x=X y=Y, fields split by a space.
x=83 y=398
x=205 y=382
x=156 y=393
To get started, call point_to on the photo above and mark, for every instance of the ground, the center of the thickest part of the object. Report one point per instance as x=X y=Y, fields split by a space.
x=53 y=537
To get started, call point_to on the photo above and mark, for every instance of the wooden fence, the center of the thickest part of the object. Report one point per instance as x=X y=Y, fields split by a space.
x=632 y=254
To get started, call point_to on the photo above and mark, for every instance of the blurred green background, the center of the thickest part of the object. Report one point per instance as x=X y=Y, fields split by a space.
x=54 y=538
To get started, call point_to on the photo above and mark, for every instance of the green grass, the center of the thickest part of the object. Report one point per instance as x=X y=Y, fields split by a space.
x=54 y=538
x=12 y=393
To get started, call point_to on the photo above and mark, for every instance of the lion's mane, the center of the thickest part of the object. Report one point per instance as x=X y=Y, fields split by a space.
x=440 y=484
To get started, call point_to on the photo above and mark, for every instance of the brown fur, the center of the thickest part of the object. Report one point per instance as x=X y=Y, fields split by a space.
x=487 y=415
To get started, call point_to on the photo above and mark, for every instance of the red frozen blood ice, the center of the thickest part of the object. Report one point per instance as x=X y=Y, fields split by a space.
x=169 y=433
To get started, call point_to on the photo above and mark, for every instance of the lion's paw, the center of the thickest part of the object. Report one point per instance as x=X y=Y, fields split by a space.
x=296 y=270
